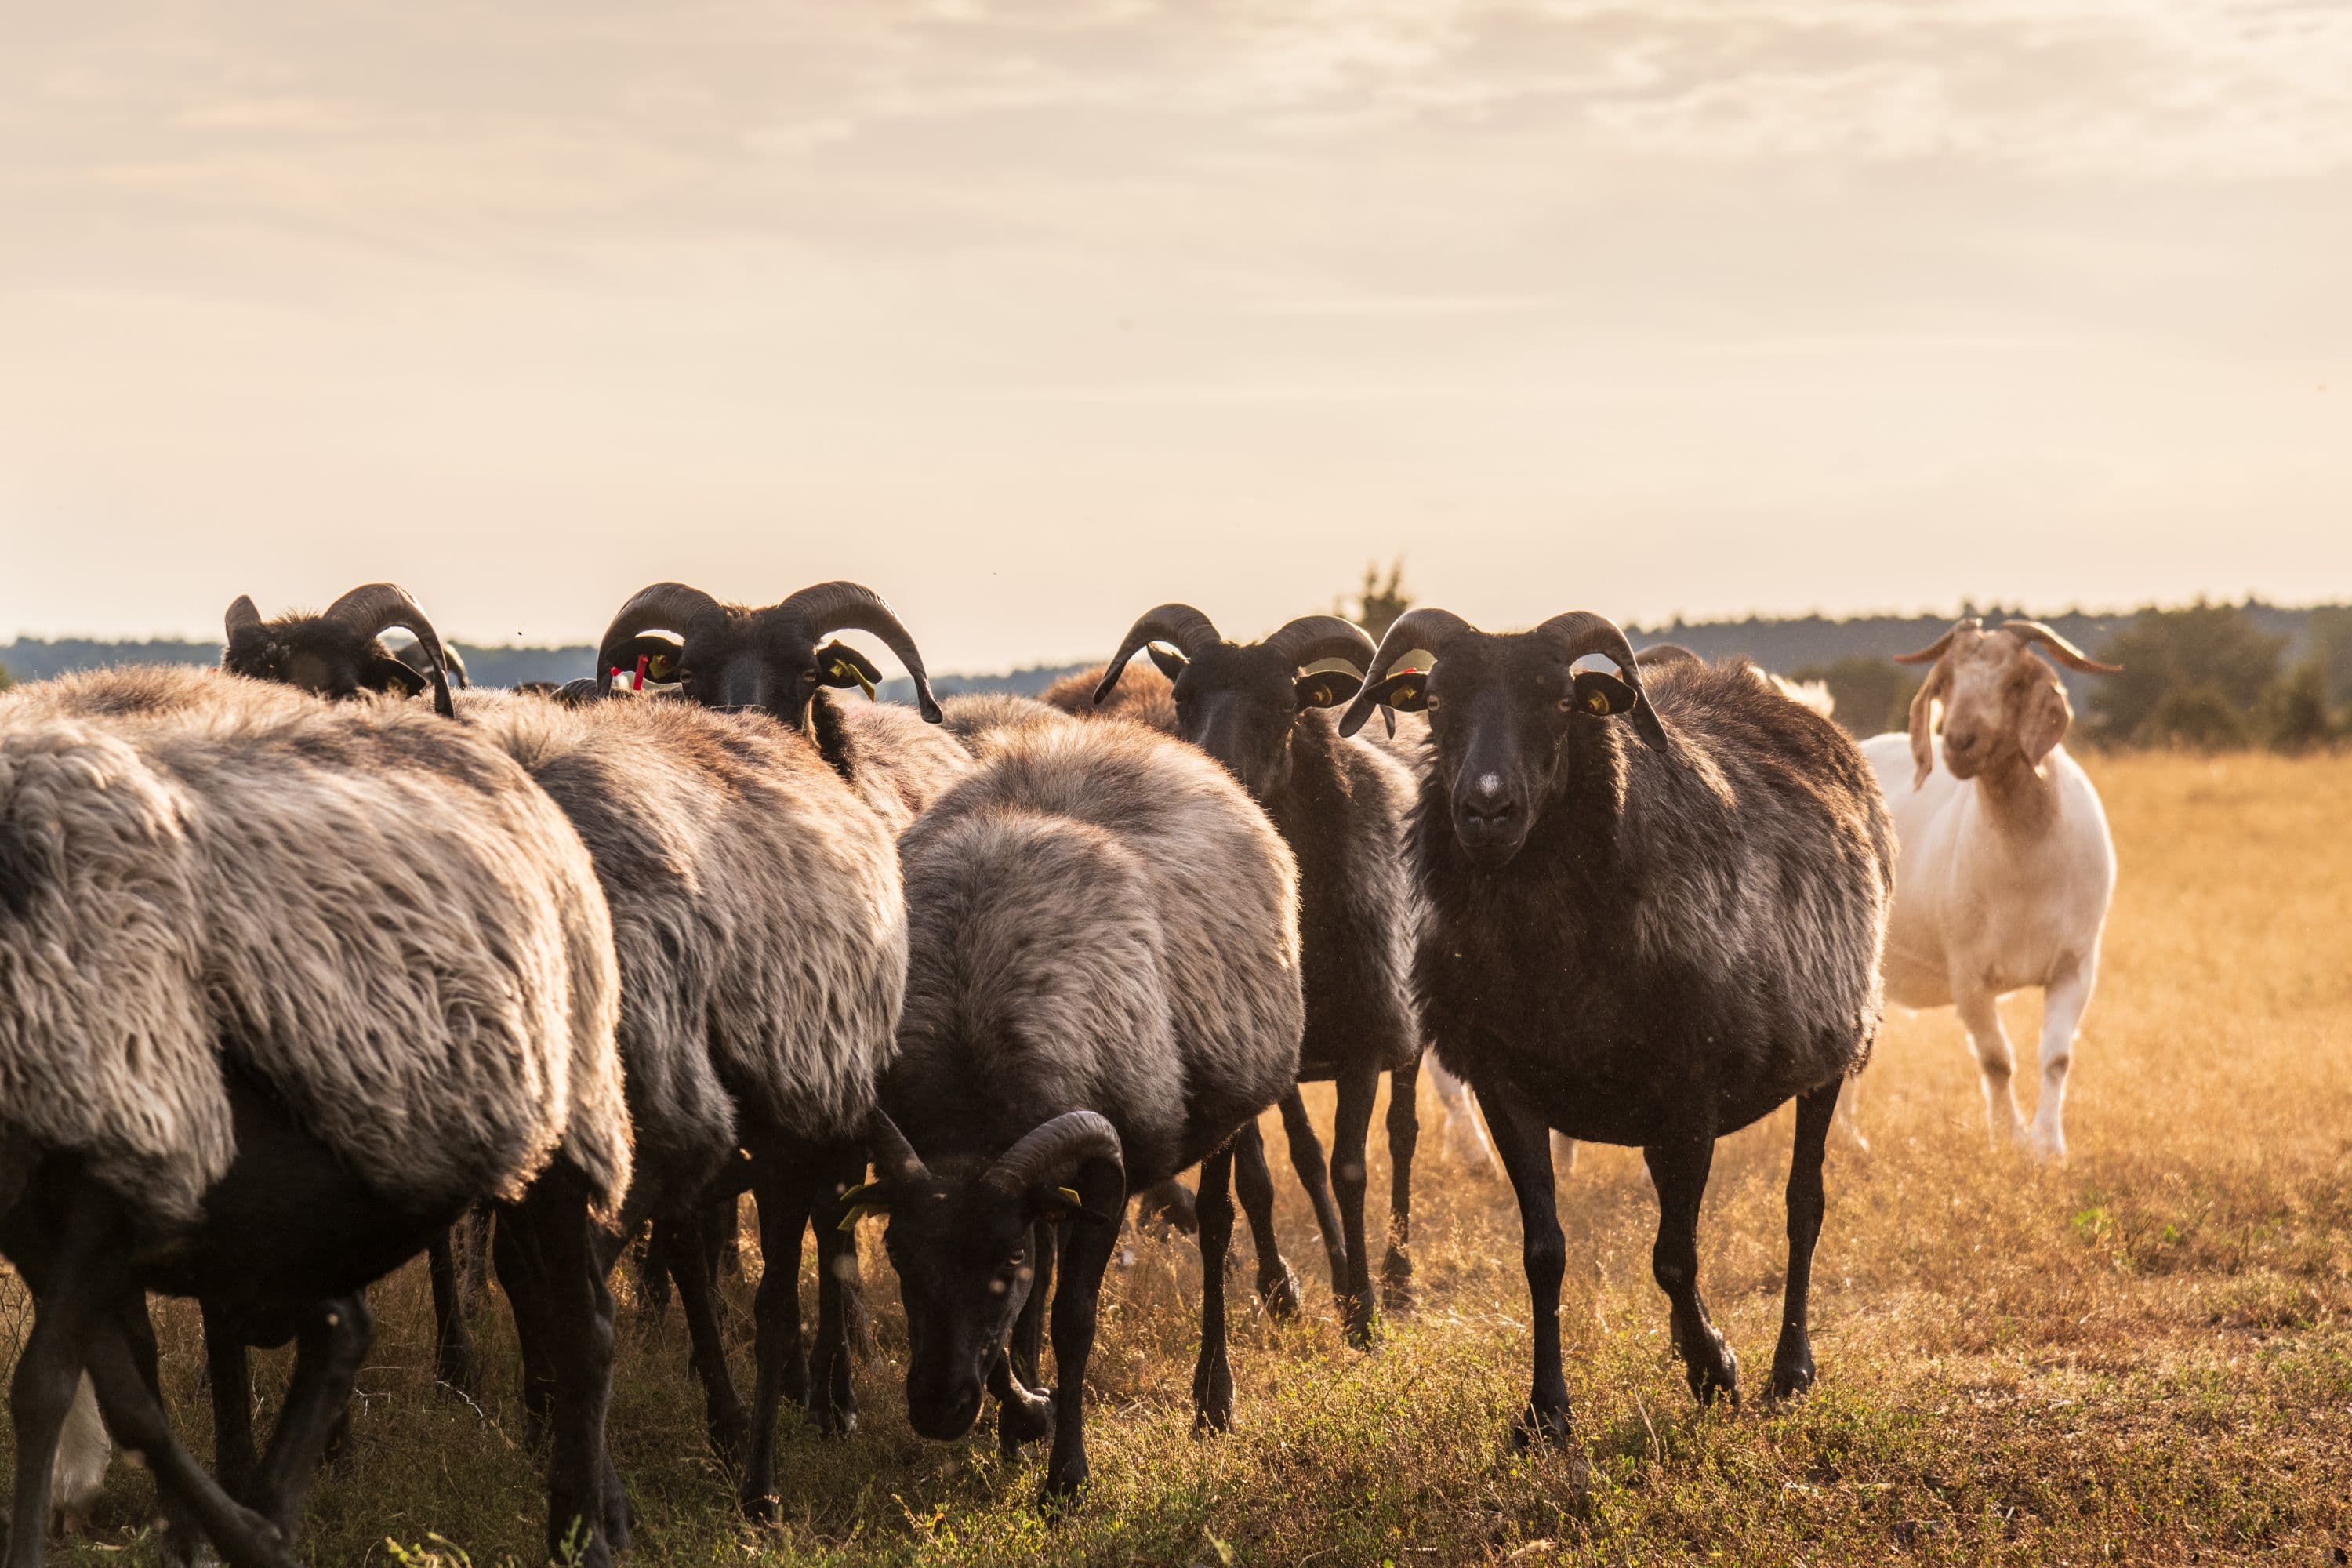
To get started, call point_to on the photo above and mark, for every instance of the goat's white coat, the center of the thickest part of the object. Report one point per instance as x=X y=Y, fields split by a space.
x=1984 y=908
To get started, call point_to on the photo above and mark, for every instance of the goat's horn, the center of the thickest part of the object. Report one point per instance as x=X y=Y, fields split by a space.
x=1183 y=625
x=1310 y=640
x=852 y=606
x=1934 y=650
x=370 y=610
x=2065 y=652
x=1050 y=1152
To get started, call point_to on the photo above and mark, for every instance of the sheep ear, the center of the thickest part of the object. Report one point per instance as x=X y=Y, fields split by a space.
x=391 y=675
x=1408 y=692
x=838 y=664
x=1602 y=695
x=1170 y=662
x=1328 y=689
x=2043 y=724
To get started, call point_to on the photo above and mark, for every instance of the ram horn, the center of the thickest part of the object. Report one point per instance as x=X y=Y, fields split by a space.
x=663 y=608
x=370 y=610
x=1580 y=632
x=1423 y=629
x=893 y=1156
x=1049 y=1153
x=1181 y=625
x=1310 y=640
x=852 y=606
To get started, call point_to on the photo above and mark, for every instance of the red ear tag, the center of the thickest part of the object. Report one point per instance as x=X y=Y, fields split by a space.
x=638 y=682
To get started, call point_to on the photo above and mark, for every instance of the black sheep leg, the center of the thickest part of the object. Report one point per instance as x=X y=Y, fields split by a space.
x=1359 y=1087
x=1212 y=1379
x=587 y=1512
x=783 y=1187
x=234 y=1454
x=1077 y=1303
x=1277 y=1286
x=75 y=1292
x=328 y=1347
x=1524 y=1144
x=1792 y=1361
x=522 y=1275
x=1404 y=1137
x=832 y=1398
x=678 y=1243
x=1679 y=1172
x=1315 y=1178
x=474 y=1280
x=454 y=1361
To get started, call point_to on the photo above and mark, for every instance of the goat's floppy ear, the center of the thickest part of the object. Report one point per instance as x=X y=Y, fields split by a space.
x=2043 y=723
x=1171 y=663
x=1603 y=695
x=838 y=664
x=1328 y=689
x=391 y=675
x=1923 y=720
x=1408 y=691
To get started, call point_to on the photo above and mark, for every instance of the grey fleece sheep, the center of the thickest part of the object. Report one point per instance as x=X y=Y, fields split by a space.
x=1103 y=986
x=250 y=947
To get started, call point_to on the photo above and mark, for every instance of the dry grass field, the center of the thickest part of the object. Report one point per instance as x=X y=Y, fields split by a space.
x=2142 y=1356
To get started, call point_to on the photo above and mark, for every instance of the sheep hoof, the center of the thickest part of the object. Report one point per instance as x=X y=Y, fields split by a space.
x=1283 y=1296
x=1545 y=1425
x=1396 y=1283
x=1020 y=1421
x=1714 y=1374
x=1212 y=1396
x=761 y=1510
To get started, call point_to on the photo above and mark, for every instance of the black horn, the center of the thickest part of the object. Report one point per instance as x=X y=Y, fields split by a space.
x=1423 y=629
x=1050 y=1153
x=1580 y=632
x=371 y=610
x=1181 y=625
x=663 y=608
x=893 y=1156
x=1310 y=640
x=852 y=606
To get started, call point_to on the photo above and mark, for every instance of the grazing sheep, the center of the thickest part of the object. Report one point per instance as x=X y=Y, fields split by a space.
x=1649 y=925
x=283 y=989
x=1103 y=986
x=2007 y=869
x=1341 y=805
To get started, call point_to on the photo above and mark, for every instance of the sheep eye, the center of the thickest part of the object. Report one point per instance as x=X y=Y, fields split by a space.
x=1429 y=703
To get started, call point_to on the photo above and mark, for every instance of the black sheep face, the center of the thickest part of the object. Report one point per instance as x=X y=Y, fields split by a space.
x=764 y=660
x=321 y=656
x=1503 y=710
x=964 y=1255
x=1240 y=702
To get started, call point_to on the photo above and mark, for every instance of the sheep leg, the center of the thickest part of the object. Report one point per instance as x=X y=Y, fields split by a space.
x=653 y=1279
x=1027 y=1350
x=182 y=1542
x=2063 y=1002
x=474 y=1282
x=1524 y=1144
x=689 y=1264
x=1024 y=1414
x=587 y=1515
x=785 y=1196
x=1404 y=1138
x=522 y=1275
x=1792 y=1361
x=328 y=1347
x=49 y=1372
x=235 y=1455
x=1314 y=1177
x=1679 y=1172
x=832 y=1398
x=1077 y=1301
x=1980 y=1016
x=454 y=1360
x=1277 y=1286
x=1359 y=1087
x=1212 y=1379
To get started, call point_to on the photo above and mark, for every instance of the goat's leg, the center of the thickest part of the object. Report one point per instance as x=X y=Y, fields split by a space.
x=328 y=1347
x=1792 y=1361
x=1849 y=1116
x=454 y=1359
x=678 y=1242
x=832 y=1398
x=1980 y=1016
x=1679 y=1173
x=235 y=1455
x=2063 y=1002
x=1277 y=1286
x=1523 y=1143
x=1315 y=1178
x=785 y=1193
x=1076 y=1302
x=1212 y=1378
x=1404 y=1138
x=1359 y=1087
x=1465 y=1136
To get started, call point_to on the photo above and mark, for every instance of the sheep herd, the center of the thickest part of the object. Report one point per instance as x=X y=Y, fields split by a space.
x=299 y=970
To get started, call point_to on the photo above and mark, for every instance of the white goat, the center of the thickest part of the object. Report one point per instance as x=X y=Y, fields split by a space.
x=2006 y=869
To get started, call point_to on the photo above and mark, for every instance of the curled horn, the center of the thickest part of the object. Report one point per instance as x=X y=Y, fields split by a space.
x=664 y=607
x=1424 y=629
x=369 y=611
x=1047 y=1153
x=893 y=1156
x=1310 y=640
x=851 y=606
x=1580 y=632
x=1934 y=650
x=1183 y=625
x=243 y=617
x=2065 y=652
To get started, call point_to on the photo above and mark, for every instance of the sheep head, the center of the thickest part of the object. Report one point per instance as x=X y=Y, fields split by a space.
x=772 y=660
x=1503 y=710
x=2001 y=705
x=962 y=1240
x=1240 y=702
x=338 y=654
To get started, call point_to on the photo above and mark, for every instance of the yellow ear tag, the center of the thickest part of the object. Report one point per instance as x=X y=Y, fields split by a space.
x=863 y=1211
x=1598 y=703
x=845 y=670
x=1070 y=1196
x=660 y=667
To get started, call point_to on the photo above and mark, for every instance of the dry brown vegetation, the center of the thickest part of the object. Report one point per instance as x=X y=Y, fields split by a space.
x=2144 y=1355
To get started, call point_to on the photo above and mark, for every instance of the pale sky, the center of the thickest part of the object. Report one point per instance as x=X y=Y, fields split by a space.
x=1032 y=315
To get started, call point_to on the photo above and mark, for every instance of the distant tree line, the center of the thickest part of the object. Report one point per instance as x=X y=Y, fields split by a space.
x=2206 y=675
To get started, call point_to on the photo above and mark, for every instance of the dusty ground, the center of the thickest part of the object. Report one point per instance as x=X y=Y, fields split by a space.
x=2145 y=1355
